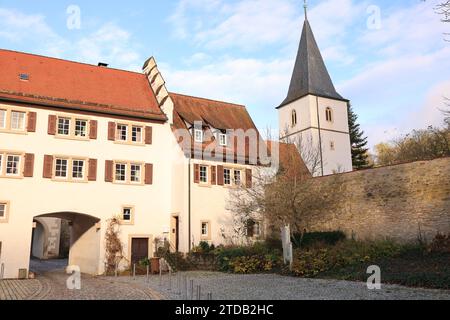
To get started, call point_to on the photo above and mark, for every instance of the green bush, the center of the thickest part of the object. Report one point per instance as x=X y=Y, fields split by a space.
x=311 y=238
x=227 y=257
x=255 y=264
x=312 y=261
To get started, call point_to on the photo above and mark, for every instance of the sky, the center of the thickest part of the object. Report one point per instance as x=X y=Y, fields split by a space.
x=388 y=57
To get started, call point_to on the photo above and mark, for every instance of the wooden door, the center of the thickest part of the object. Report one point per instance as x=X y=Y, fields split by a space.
x=139 y=249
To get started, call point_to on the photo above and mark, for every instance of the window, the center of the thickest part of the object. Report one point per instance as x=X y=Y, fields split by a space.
x=17 y=120
x=203 y=174
x=2 y=210
x=4 y=207
x=2 y=119
x=205 y=229
x=254 y=229
x=223 y=139
x=329 y=114
x=135 y=175
x=78 y=169
x=294 y=118
x=122 y=132
x=198 y=135
x=80 y=128
x=121 y=172
x=24 y=76
x=237 y=177
x=61 y=168
x=332 y=146
x=127 y=214
x=12 y=165
x=63 y=126
x=136 y=134
x=227 y=177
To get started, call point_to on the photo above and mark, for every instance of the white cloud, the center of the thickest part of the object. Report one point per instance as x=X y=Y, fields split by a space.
x=110 y=43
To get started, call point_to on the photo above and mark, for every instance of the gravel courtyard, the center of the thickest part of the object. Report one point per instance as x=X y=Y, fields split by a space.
x=50 y=284
x=275 y=287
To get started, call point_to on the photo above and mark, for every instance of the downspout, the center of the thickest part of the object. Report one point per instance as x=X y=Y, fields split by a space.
x=320 y=134
x=189 y=203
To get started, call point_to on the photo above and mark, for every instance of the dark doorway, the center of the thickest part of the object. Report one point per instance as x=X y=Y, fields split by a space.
x=139 y=249
x=175 y=234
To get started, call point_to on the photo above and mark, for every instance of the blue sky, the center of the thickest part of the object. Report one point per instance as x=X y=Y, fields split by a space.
x=243 y=51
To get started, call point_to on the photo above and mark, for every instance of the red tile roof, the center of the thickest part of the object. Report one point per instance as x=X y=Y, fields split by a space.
x=67 y=84
x=216 y=114
x=290 y=161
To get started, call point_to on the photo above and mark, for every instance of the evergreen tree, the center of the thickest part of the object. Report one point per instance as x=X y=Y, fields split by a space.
x=360 y=157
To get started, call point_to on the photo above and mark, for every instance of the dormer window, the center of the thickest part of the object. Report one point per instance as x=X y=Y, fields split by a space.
x=24 y=77
x=329 y=114
x=198 y=135
x=223 y=141
x=294 y=118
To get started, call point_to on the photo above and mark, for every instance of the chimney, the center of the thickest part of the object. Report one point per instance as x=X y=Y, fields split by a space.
x=102 y=64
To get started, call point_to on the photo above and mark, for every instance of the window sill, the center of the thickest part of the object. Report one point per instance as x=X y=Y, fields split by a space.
x=19 y=132
x=12 y=177
x=75 y=138
x=129 y=143
x=70 y=181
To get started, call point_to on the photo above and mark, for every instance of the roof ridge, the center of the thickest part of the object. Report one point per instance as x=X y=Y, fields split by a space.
x=70 y=61
x=207 y=99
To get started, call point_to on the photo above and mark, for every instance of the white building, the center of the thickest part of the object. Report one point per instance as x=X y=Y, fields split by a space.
x=314 y=114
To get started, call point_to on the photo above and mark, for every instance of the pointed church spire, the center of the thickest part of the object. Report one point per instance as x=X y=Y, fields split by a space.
x=310 y=74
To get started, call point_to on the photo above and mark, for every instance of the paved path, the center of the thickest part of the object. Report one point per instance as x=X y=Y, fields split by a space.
x=275 y=287
x=50 y=284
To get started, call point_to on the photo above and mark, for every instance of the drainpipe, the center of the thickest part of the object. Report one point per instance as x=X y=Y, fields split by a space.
x=189 y=203
x=320 y=134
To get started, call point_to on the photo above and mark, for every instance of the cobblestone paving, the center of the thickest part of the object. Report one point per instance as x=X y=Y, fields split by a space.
x=274 y=287
x=50 y=284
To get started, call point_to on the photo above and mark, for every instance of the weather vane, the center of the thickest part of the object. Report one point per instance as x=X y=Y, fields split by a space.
x=306 y=8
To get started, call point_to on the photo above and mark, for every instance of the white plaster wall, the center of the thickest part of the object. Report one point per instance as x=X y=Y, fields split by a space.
x=308 y=126
x=30 y=197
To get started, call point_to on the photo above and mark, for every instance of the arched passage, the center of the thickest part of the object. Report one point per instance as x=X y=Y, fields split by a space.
x=85 y=236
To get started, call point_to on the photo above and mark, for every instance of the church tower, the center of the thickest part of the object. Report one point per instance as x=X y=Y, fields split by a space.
x=314 y=115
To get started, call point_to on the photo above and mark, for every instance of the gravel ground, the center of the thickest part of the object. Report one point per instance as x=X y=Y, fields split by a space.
x=275 y=287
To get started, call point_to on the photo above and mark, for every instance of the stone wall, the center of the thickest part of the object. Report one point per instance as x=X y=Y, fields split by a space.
x=402 y=202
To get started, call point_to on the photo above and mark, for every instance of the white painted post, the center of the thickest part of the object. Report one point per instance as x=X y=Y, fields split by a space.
x=191 y=284
x=2 y=271
x=134 y=271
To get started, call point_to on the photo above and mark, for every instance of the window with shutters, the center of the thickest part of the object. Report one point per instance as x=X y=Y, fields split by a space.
x=121 y=172
x=204 y=175
x=136 y=173
x=70 y=169
x=81 y=127
x=2 y=119
x=136 y=134
x=227 y=177
x=4 y=211
x=237 y=177
x=13 y=120
x=130 y=133
x=72 y=127
x=254 y=229
x=128 y=172
x=11 y=164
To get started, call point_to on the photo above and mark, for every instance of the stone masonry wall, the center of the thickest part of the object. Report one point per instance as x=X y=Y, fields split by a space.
x=402 y=202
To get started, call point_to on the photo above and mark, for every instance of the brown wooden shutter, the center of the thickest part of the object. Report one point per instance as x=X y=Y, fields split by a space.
x=249 y=178
x=148 y=173
x=92 y=174
x=220 y=177
x=111 y=131
x=31 y=123
x=148 y=135
x=196 y=173
x=93 y=124
x=51 y=125
x=48 y=167
x=29 y=165
x=213 y=175
x=109 y=171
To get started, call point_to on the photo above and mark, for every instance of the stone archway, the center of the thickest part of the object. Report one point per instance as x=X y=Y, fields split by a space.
x=85 y=237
